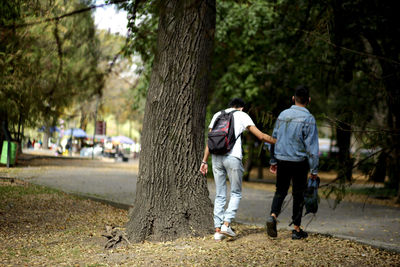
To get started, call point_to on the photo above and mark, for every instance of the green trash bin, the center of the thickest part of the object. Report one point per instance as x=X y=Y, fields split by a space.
x=12 y=154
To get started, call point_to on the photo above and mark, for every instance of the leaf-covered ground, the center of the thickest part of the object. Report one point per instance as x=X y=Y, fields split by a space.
x=43 y=227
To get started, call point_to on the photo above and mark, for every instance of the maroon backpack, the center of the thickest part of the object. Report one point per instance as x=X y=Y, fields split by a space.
x=222 y=138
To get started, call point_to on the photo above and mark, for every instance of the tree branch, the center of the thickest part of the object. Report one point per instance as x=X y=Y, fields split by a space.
x=364 y=54
x=60 y=55
x=75 y=12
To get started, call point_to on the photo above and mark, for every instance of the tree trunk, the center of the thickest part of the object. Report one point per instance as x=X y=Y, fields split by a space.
x=83 y=119
x=19 y=152
x=262 y=162
x=250 y=158
x=46 y=136
x=172 y=196
x=345 y=163
x=19 y=135
x=393 y=102
x=379 y=173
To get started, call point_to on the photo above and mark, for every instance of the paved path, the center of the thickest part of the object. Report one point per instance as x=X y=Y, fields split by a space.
x=116 y=182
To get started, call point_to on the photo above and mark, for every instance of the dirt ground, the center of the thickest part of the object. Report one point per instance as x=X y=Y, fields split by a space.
x=43 y=227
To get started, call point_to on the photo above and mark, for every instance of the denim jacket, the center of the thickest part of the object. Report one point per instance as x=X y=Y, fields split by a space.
x=297 y=137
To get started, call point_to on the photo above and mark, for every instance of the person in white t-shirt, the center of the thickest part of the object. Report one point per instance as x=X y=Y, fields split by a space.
x=230 y=164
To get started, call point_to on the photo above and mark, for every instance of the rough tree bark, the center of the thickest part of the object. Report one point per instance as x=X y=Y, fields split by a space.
x=172 y=197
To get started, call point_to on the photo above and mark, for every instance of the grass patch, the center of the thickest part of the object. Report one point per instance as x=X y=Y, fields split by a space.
x=376 y=192
x=13 y=190
x=21 y=189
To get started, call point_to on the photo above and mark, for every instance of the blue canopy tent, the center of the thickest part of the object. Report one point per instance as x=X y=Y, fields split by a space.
x=122 y=140
x=52 y=129
x=75 y=132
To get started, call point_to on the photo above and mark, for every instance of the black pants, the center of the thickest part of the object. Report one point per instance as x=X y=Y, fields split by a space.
x=297 y=173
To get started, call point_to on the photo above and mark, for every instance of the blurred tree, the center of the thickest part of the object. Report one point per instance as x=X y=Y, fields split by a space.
x=45 y=67
x=382 y=41
x=358 y=89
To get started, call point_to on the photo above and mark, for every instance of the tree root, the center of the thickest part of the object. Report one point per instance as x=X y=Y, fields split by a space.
x=114 y=235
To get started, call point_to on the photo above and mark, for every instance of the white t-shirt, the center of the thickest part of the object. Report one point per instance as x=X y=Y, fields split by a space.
x=241 y=121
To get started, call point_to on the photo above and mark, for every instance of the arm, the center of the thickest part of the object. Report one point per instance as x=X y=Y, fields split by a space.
x=273 y=163
x=265 y=138
x=204 y=165
x=312 y=147
x=260 y=135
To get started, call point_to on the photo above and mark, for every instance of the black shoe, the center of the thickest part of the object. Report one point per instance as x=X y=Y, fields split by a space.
x=299 y=235
x=271 y=227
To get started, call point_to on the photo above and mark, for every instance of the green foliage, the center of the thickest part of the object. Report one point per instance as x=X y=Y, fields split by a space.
x=345 y=52
x=141 y=45
x=241 y=35
x=337 y=191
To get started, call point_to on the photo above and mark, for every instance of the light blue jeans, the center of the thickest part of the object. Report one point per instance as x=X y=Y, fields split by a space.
x=233 y=167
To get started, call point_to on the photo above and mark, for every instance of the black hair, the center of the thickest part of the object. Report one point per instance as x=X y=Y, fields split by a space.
x=302 y=94
x=236 y=103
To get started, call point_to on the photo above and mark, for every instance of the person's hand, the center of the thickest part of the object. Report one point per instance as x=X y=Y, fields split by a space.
x=204 y=168
x=273 y=168
x=314 y=176
x=269 y=139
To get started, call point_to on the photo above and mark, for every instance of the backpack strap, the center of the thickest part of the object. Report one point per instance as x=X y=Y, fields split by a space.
x=222 y=112
x=233 y=111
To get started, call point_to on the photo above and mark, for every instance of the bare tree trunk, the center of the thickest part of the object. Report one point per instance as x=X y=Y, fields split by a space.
x=345 y=162
x=46 y=137
x=379 y=172
x=393 y=101
x=83 y=119
x=172 y=196
x=250 y=158
x=19 y=134
x=262 y=162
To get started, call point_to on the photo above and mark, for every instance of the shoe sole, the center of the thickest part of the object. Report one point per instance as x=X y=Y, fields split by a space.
x=227 y=234
x=270 y=229
x=295 y=237
x=298 y=238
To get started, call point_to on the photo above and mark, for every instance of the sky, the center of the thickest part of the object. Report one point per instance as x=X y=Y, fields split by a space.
x=109 y=18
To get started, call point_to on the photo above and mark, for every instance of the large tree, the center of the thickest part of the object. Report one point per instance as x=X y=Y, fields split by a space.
x=172 y=197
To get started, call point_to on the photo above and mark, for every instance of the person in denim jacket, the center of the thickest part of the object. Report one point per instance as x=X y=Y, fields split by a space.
x=293 y=155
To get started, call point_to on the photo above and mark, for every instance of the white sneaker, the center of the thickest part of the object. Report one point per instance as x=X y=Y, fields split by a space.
x=227 y=230
x=218 y=236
